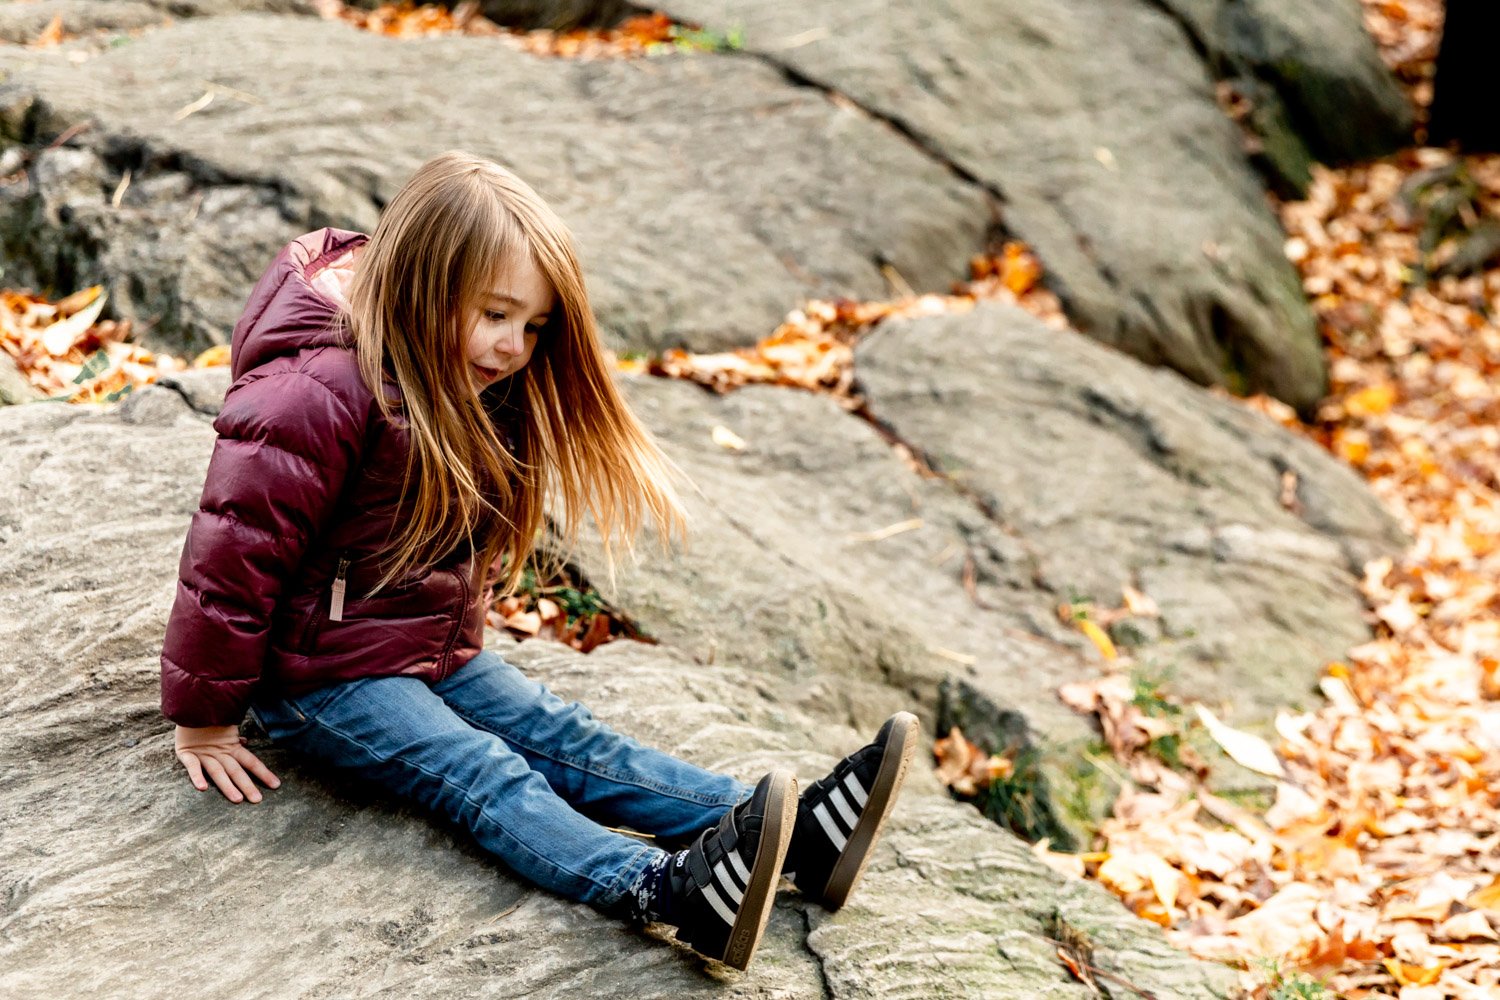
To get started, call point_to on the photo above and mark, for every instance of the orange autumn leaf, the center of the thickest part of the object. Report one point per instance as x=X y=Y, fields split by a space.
x=1019 y=270
x=51 y=35
x=1098 y=637
x=65 y=351
x=213 y=357
x=1375 y=399
x=1487 y=898
x=1352 y=446
x=1413 y=975
x=964 y=767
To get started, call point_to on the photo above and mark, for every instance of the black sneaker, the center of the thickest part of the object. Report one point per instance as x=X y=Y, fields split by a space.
x=724 y=884
x=839 y=816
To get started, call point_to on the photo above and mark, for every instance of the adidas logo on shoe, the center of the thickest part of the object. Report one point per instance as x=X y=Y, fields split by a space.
x=839 y=816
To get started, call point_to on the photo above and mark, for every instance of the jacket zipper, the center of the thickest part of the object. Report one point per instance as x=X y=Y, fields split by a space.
x=335 y=605
x=340 y=584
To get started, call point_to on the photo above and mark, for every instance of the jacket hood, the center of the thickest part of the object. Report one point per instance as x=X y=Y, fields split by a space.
x=294 y=304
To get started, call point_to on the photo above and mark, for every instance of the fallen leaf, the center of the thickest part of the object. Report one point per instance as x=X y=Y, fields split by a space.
x=1098 y=637
x=1246 y=749
x=1467 y=926
x=726 y=438
x=60 y=337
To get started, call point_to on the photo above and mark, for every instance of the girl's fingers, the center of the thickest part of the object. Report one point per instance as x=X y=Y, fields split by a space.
x=194 y=770
x=241 y=779
x=216 y=771
x=253 y=764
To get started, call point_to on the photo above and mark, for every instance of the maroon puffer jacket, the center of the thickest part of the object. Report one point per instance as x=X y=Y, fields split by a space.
x=303 y=486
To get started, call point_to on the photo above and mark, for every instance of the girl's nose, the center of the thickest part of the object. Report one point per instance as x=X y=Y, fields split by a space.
x=511 y=343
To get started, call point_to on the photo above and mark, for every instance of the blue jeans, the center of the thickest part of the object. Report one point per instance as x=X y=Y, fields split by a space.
x=530 y=776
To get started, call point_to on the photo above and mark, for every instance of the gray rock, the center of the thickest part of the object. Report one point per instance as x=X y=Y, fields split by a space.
x=21 y=23
x=118 y=879
x=178 y=256
x=708 y=194
x=88 y=24
x=1114 y=473
x=202 y=388
x=154 y=405
x=1096 y=123
x=1312 y=67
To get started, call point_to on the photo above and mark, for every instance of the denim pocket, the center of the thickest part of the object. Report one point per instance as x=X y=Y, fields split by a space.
x=278 y=717
x=310 y=705
x=283 y=716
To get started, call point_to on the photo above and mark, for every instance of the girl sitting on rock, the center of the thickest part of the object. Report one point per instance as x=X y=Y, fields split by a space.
x=403 y=405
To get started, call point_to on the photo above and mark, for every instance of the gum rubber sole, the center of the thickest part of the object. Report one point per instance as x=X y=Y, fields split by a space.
x=765 y=873
x=860 y=847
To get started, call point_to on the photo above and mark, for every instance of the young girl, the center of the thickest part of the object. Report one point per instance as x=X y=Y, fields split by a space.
x=402 y=406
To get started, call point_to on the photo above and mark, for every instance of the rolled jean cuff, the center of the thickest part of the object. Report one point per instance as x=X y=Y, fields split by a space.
x=615 y=900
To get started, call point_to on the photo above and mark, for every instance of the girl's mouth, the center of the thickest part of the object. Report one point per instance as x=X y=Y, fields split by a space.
x=488 y=374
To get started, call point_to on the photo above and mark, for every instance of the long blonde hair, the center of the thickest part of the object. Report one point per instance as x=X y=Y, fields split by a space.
x=441 y=244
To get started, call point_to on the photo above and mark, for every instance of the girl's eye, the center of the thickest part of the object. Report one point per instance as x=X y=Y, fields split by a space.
x=496 y=317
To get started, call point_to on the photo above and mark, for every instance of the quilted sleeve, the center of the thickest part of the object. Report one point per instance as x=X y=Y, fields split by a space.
x=286 y=444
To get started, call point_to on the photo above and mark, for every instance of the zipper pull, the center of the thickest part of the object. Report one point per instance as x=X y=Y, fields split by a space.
x=336 y=606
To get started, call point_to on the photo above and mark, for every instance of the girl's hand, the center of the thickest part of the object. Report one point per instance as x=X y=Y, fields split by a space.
x=220 y=751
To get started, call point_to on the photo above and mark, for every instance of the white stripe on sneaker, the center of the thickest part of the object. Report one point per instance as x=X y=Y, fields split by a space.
x=739 y=868
x=718 y=904
x=735 y=892
x=821 y=811
x=841 y=804
x=855 y=789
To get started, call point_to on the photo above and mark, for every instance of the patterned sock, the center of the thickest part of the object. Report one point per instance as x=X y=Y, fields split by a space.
x=651 y=899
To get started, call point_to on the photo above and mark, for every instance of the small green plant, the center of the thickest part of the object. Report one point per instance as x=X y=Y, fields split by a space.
x=1297 y=986
x=1079 y=602
x=707 y=39
x=575 y=601
x=1148 y=696
x=1084 y=786
x=1257 y=800
x=96 y=364
x=1022 y=802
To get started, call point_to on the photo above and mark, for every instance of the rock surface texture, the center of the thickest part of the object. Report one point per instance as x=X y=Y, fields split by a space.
x=118 y=879
x=173 y=147
x=844 y=137
x=706 y=194
x=1094 y=123
x=1316 y=85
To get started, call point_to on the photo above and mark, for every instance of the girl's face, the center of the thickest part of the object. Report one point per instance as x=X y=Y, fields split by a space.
x=505 y=332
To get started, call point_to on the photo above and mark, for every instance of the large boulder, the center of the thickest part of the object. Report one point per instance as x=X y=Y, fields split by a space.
x=118 y=879
x=905 y=139
x=708 y=195
x=1095 y=121
x=1313 y=76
